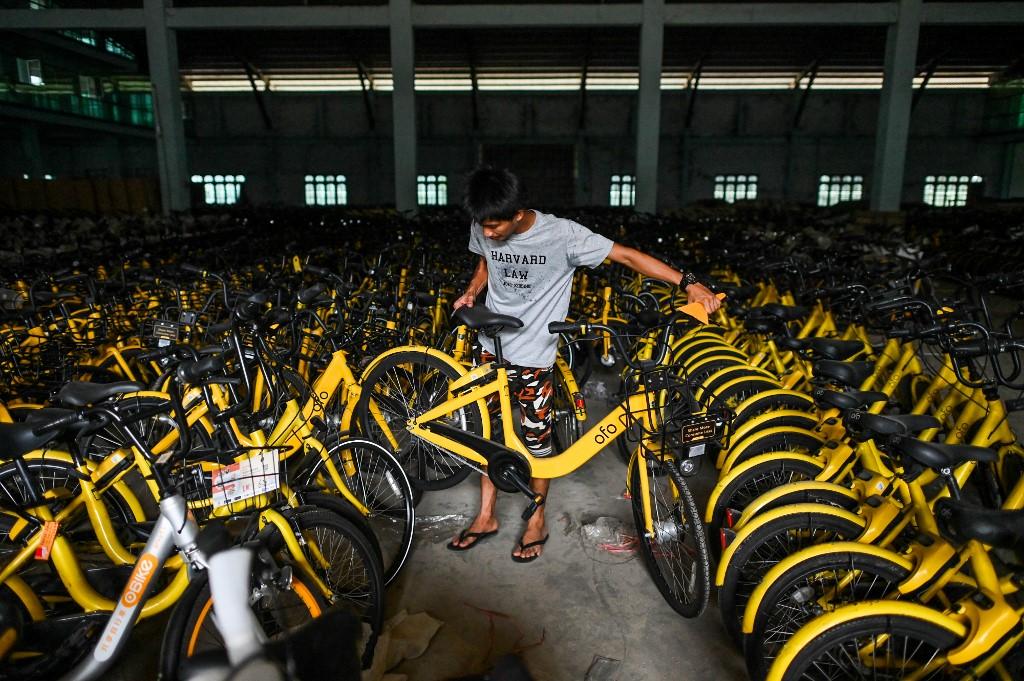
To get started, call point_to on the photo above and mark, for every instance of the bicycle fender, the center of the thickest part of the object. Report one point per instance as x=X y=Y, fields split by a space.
x=448 y=359
x=737 y=451
x=766 y=500
x=774 y=393
x=808 y=421
x=811 y=552
x=848 y=613
x=768 y=516
x=726 y=479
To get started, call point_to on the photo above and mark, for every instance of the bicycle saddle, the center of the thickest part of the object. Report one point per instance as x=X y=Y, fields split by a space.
x=784 y=312
x=755 y=324
x=831 y=348
x=17 y=439
x=81 y=393
x=937 y=455
x=849 y=374
x=854 y=399
x=479 y=317
x=870 y=426
x=961 y=522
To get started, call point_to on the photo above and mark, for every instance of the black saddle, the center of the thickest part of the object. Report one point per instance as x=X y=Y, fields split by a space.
x=960 y=522
x=786 y=313
x=937 y=455
x=18 y=439
x=831 y=348
x=83 y=394
x=479 y=317
x=850 y=374
x=868 y=426
x=853 y=399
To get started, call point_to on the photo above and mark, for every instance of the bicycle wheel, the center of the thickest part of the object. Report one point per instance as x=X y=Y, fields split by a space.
x=565 y=427
x=403 y=386
x=744 y=487
x=776 y=439
x=761 y=550
x=345 y=561
x=374 y=477
x=887 y=647
x=846 y=575
x=677 y=553
x=191 y=629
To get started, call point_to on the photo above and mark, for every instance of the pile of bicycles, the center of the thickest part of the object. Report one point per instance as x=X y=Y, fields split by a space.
x=852 y=396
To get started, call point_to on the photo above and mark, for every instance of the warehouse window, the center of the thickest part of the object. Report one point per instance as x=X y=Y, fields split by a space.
x=89 y=86
x=432 y=190
x=326 y=190
x=623 y=190
x=833 y=189
x=220 y=189
x=30 y=71
x=947 y=191
x=732 y=188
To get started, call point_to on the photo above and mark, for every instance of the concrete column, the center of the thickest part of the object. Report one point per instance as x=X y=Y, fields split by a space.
x=894 y=107
x=403 y=103
x=171 y=150
x=33 y=152
x=648 y=115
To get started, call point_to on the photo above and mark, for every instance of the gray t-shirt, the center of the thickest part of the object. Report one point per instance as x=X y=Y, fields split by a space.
x=529 y=276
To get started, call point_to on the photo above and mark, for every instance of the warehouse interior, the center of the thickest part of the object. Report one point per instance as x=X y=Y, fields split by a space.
x=234 y=227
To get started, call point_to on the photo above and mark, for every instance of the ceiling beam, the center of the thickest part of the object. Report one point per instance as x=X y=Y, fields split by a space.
x=497 y=16
x=780 y=14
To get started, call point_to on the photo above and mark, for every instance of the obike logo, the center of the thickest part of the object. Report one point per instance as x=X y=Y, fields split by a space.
x=605 y=432
x=139 y=580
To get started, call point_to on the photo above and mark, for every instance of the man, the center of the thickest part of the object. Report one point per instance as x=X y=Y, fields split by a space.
x=526 y=263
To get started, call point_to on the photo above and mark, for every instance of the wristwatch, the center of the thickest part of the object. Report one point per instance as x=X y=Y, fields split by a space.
x=688 y=279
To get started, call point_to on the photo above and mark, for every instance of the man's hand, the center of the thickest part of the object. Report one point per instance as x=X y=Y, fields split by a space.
x=698 y=293
x=466 y=300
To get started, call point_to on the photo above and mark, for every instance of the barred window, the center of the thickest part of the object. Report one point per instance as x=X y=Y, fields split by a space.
x=833 y=189
x=326 y=190
x=220 y=189
x=432 y=190
x=731 y=188
x=947 y=191
x=622 y=191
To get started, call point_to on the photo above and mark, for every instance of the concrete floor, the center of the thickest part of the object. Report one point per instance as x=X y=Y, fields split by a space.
x=561 y=613
x=573 y=605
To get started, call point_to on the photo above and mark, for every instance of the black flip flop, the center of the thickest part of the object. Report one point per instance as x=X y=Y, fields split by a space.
x=523 y=547
x=466 y=534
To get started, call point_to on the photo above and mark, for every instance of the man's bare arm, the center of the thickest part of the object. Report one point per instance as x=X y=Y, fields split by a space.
x=648 y=266
x=477 y=283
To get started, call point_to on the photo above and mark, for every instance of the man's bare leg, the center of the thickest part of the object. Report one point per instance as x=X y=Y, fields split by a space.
x=485 y=520
x=536 y=527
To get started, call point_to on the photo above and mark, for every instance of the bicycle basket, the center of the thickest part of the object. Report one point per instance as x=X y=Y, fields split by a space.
x=253 y=482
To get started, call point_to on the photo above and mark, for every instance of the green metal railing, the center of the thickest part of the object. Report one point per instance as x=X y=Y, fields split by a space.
x=134 y=108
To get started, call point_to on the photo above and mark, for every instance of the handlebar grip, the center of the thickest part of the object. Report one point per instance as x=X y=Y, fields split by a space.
x=61 y=423
x=156 y=354
x=567 y=327
x=969 y=349
x=191 y=372
x=318 y=271
x=219 y=327
x=193 y=269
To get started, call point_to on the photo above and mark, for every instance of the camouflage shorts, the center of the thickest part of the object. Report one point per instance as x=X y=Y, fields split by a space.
x=533 y=389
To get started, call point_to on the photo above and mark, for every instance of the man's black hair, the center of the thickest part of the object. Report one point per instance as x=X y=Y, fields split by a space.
x=493 y=194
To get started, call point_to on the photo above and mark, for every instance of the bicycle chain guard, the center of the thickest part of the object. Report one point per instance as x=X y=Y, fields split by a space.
x=505 y=465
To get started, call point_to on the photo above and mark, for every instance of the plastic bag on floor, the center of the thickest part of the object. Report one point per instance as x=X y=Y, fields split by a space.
x=405 y=637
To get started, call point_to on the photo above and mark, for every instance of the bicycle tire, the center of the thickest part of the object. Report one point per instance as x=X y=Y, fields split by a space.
x=755 y=481
x=565 y=427
x=763 y=549
x=687 y=594
x=394 y=386
x=378 y=481
x=784 y=439
x=793 y=598
x=887 y=633
x=190 y=629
